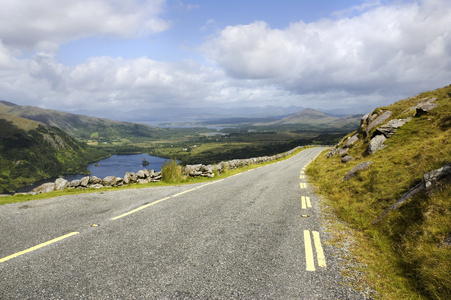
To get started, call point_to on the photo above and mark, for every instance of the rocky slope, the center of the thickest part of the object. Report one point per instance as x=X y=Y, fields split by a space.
x=391 y=180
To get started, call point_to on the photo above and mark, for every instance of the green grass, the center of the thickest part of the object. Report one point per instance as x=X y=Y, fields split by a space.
x=404 y=251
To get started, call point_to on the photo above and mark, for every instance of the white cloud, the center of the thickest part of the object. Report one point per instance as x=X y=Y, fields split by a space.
x=45 y=24
x=384 y=54
x=386 y=47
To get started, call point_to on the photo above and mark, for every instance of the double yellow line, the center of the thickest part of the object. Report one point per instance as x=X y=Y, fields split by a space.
x=309 y=258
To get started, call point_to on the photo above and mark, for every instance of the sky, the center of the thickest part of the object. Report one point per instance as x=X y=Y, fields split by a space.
x=121 y=55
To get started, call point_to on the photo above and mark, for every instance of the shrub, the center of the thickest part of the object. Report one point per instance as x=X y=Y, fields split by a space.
x=171 y=171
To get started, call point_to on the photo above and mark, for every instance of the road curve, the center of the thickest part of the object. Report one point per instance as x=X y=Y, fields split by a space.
x=255 y=235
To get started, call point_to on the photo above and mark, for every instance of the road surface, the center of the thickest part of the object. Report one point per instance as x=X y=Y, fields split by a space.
x=255 y=235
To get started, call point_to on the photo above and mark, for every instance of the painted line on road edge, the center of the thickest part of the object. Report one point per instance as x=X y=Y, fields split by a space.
x=319 y=250
x=38 y=246
x=310 y=264
x=303 y=185
x=161 y=200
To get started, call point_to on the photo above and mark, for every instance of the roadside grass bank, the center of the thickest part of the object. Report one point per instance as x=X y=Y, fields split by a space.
x=407 y=254
x=173 y=177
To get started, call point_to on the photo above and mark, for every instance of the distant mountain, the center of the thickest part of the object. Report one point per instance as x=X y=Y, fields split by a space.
x=82 y=127
x=194 y=114
x=314 y=117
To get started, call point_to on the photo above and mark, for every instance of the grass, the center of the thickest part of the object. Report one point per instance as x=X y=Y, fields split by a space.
x=404 y=253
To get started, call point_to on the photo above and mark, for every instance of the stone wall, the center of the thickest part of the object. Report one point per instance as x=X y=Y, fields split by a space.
x=146 y=176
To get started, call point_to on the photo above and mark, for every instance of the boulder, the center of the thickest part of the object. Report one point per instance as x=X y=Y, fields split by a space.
x=424 y=107
x=143 y=174
x=435 y=177
x=130 y=178
x=346 y=159
x=378 y=121
x=94 y=180
x=390 y=128
x=61 y=184
x=351 y=141
x=75 y=183
x=360 y=167
x=109 y=181
x=44 y=188
x=97 y=186
x=84 y=181
x=376 y=143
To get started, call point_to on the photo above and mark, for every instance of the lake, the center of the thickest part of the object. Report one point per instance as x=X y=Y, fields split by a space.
x=115 y=165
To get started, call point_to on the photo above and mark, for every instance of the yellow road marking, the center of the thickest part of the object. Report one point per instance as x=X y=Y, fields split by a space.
x=184 y=192
x=310 y=264
x=303 y=185
x=301 y=176
x=306 y=202
x=161 y=200
x=38 y=246
x=139 y=208
x=319 y=250
x=302 y=172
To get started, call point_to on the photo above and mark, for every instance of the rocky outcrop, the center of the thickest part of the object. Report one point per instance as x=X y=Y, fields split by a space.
x=424 y=107
x=354 y=171
x=376 y=125
x=431 y=180
x=376 y=143
x=146 y=176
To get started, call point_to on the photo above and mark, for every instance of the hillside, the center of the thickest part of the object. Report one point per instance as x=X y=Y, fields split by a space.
x=89 y=129
x=31 y=150
x=391 y=182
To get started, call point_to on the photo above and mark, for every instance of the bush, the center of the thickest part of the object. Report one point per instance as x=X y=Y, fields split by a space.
x=171 y=171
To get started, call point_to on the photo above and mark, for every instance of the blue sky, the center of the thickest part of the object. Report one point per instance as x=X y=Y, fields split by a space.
x=123 y=55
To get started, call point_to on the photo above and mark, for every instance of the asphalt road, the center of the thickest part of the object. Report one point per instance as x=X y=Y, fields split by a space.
x=249 y=236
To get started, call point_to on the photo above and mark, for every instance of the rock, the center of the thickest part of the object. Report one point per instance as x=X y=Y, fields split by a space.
x=447 y=240
x=61 y=184
x=130 y=178
x=97 y=186
x=332 y=152
x=44 y=188
x=351 y=141
x=94 y=180
x=376 y=143
x=84 y=181
x=343 y=151
x=431 y=180
x=435 y=177
x=143 y=174
x=119 y=181
x=75 y=183
x=109 y=181
x=379 y=120
x=360 y=167
x=390 y=128
x=346 y=159
x=142 y=181
x=424 y=107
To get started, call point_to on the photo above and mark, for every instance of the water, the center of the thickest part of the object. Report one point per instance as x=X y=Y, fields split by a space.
x=115 y=165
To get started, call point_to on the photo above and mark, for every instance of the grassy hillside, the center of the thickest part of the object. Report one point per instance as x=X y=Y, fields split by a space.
x=94 y=131
x=31 y=150
x=408 y=252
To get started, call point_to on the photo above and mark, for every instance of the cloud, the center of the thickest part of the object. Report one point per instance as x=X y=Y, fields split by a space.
x=43 y=25
x=385 y=48
x=381 y=54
